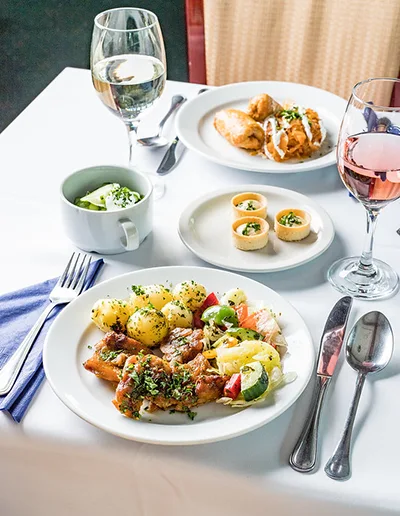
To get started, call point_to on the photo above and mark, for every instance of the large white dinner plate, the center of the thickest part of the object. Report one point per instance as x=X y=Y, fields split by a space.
x=66 y=348
x=195 y=124
x=205 y=229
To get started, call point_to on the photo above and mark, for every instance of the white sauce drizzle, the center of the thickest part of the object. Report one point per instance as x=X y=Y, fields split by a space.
x=323 y=132
x=275 y=137
x=306 y=123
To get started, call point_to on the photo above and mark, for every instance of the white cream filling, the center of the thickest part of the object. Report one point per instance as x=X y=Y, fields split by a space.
x=249 y=205
x=250 y=231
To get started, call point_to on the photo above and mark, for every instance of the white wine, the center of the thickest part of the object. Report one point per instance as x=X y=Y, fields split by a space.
x=129 y=84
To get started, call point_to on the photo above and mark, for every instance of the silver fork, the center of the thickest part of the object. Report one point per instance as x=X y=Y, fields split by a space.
x=68 y=287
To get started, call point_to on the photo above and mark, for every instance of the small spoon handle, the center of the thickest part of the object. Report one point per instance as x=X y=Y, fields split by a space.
x=338 y=467
x=304 y=455
x=176 y=101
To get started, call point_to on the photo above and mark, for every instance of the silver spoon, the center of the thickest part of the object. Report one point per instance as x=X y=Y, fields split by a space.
x=369 y=350
x=157 y=140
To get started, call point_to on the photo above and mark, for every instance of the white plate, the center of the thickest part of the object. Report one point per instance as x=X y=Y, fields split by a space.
x=205 y=229
x=195 y=124
x=66 y=348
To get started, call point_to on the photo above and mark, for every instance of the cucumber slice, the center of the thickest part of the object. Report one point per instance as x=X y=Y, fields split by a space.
x=98 y=197
x=254 y=380
x=243 y=334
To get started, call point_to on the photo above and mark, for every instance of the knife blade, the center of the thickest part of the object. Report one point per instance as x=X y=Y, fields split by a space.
x=169 y=160
x=304 y=455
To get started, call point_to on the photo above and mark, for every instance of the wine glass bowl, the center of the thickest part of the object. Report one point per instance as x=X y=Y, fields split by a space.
x=128 y=65
x=368 y=159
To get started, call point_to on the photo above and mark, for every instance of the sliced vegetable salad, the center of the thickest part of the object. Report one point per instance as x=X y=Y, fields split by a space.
x=244 y=342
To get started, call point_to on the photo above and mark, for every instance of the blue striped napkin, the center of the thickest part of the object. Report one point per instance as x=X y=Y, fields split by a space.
x=19 y=311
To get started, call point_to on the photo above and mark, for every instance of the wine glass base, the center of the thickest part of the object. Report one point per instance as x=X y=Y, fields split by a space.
x=158 y=187
x=346 y=277
x=157 y=182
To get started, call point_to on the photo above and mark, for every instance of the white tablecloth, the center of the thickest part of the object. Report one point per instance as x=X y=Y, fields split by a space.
x=55 y=463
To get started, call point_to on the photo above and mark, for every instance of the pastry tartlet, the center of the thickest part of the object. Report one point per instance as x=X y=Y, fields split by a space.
x=249 y=204
x=250 y=233
x=292 y=225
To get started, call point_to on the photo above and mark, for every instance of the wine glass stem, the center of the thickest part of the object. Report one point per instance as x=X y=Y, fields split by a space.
x=366 y=265
x=132 y=127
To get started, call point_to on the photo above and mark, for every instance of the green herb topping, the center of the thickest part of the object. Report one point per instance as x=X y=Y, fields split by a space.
x=138 y=290
x=290 y=219
x=247 y=205
x=107 y=354
x=290 y=114
x=151 y=381
x=255 y=226
x=123 y=196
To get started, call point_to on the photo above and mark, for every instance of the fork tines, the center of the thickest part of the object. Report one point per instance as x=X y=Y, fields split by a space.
x=75 y=272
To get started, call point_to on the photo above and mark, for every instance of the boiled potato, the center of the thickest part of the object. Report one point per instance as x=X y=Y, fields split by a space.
x=110 y=314
x=147 y=325
x=157 y=295
x=190 y=293
x=178 y=315
x=235 y=296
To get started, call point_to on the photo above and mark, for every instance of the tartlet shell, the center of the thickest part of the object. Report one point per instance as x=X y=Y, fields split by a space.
x=251 y=242
x=238 y=212
x=294 y=233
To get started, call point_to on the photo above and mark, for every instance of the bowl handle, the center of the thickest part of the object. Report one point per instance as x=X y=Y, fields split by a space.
x=130 y=241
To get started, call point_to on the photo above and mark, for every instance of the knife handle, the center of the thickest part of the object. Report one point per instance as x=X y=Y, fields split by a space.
x=304 y=455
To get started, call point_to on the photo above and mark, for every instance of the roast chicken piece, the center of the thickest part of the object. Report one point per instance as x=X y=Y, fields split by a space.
x=153 y=380
x=262 y=106
x=110 y=355
x=239 y=129
x=183 y=345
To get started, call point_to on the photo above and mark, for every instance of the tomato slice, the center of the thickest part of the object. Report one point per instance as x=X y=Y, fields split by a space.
x=210 y=300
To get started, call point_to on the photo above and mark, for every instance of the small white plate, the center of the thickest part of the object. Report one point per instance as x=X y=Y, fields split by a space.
x=205 y=229
x=195 y=124
x=66 y=348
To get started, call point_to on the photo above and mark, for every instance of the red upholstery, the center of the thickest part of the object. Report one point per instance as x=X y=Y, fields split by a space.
x=195 y=41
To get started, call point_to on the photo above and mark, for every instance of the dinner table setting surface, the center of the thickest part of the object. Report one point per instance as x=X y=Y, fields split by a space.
x=65 y=129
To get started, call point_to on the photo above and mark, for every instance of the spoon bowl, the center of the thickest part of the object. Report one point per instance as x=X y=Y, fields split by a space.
x=157 y=140
x=369 y=349
x=153 y=141
x=370 y=344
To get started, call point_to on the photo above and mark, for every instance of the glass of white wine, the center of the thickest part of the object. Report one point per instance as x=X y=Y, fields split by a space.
x=128 y=66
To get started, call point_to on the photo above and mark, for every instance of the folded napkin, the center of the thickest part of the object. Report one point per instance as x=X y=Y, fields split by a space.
x=19 y=311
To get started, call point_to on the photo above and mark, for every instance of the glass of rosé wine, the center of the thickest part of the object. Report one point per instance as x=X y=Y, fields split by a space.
x=368 y=159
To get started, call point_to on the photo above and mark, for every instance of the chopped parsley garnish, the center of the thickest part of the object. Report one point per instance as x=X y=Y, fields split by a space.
x=123 y=196
x=290 y=114
x=138 y=290
x=290 y=219
x=107 y=354
x=151 y=381
x=191 y=414
x=247 y=205
x=255 y=226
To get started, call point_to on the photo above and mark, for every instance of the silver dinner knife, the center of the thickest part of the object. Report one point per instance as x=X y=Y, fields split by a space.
x=169 y=160
x=304 y=455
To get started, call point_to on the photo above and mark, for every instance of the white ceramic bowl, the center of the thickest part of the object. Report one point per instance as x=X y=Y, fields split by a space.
x=106 y=232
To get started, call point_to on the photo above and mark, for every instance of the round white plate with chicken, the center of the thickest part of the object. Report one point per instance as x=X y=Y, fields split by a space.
x=263 y=126
x=178 y=355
